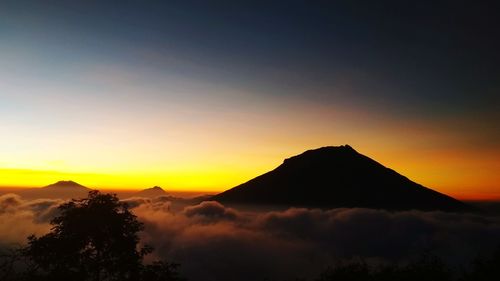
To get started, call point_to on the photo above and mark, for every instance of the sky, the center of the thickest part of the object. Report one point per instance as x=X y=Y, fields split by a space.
x=205 y=95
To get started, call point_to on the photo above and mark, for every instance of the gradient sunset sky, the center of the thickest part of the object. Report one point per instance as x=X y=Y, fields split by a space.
x=204 y=95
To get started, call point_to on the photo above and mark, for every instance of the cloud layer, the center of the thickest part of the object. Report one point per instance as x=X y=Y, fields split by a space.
x=20 y=218
x=214 y=242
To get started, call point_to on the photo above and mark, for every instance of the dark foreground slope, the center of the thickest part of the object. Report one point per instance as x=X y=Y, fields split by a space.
x=337 y=177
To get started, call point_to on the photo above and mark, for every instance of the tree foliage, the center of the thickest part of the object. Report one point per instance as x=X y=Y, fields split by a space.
x=484 y=268
x=428 y=267
x=96 y=239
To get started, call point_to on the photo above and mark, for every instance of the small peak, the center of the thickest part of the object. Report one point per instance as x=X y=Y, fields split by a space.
x=325 y=151
x=344 y=147
x=70 y=182
x=65 y=184
x=152 y=192
x=347 y=147
x=341 y=148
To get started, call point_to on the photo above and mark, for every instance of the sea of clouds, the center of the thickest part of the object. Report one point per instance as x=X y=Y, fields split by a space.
x=214 y=242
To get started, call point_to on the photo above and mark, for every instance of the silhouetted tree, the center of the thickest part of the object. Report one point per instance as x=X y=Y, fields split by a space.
x=96 y=239
x=484 y=268
x=428 y=267
x=160 y=271
x=8 y=259
x=350 y=271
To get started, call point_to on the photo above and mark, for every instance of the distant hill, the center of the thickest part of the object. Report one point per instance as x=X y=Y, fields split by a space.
x=60 y=189
x=331 y=177
x=66 y=185
x=151 y=192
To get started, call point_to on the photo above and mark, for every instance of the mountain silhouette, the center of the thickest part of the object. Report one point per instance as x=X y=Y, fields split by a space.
x=61 y=190
x=66 y=185
x=333 y=177
x=151 y=192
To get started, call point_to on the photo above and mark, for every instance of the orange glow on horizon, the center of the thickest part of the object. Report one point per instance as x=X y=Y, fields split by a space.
x=215 y=151
x=474 y=179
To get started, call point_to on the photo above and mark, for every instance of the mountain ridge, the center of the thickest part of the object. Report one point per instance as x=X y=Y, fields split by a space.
x=154 y=191
x=337 y=176
x=66 y=184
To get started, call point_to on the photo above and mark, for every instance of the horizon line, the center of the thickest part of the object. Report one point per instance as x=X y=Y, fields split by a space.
x=473 y=198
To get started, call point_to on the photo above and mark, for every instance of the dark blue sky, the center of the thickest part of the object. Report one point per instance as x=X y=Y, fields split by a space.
x=440 y=56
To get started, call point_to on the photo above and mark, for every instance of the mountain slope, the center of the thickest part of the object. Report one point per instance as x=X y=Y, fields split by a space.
x=66 y=185
x=151 y=192
x=60 y=189
x=337 y=177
